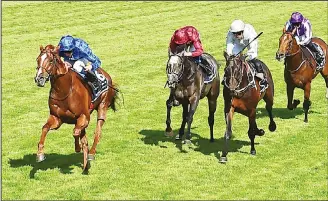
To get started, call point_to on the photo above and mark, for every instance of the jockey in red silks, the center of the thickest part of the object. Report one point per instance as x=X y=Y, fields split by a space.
x=190 y=36
x=303 y=34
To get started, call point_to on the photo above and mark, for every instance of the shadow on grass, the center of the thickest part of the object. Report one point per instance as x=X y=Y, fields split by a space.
x=282 y=113
x=200 y=144
x=62 y=162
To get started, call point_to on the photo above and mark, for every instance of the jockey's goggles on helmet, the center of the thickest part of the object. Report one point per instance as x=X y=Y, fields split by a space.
x=237 y=33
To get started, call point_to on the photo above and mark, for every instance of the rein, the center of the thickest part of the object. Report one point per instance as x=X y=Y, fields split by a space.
x=244 y=89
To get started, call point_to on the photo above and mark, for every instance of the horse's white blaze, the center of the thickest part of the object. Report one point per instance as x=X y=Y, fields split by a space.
x=43 y=57
x=174 y=60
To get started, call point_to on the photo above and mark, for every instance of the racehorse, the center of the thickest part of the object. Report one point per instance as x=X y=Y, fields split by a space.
x=70 y=102
x=241 y=93
x=186 y=81
x=300 y=68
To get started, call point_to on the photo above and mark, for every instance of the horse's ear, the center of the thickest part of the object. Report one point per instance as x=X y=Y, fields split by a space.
x=41 y=48
x=56 y=50
x=284 y=30
x=226 y=55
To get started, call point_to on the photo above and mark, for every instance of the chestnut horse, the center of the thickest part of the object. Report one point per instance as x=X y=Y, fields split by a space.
x=70 y=102
x=186 y=81
x=241 y=93
x=300 y=69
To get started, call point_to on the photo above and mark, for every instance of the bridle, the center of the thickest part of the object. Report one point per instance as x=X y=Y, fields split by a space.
x=290 y=46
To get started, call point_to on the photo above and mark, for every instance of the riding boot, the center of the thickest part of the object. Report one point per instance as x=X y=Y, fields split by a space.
x=94 y=82
x=263 y=82
x=318 y=55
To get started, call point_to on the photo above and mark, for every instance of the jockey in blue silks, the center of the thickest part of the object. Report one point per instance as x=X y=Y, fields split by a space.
x=303 y=34
x=77 y=53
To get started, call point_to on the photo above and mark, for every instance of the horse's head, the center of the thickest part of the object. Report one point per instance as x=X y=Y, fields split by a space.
x=175 y=66
x=287 y=43
x=233 y=72
x=47 y=64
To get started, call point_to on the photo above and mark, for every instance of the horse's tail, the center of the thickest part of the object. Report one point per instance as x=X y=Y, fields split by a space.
x=116 y=98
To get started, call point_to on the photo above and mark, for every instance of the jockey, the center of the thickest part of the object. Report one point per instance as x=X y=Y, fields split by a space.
x=238 y=37
x=190 y=36
x=77 y=54
x=303 y=34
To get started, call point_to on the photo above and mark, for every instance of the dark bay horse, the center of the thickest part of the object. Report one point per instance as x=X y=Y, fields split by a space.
x=241 y=94
x=186 y=81
x=70 y=102
x=300 y=69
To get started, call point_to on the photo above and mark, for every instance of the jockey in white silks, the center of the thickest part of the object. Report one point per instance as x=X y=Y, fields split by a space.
x=238 y=37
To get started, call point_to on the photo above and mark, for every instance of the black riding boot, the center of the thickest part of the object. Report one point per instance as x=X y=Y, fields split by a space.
x=317 y=53
x=263 y=82
x=94 y=82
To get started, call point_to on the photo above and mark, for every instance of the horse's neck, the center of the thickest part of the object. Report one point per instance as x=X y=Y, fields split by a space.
x=296 y=58
x=61 y=85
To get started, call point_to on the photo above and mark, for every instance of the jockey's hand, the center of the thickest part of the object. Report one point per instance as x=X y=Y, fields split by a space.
x=67 y=65
x=187 y=54
x=88 y=67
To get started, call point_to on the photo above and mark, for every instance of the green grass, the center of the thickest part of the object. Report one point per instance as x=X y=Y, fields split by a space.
x=134 y=159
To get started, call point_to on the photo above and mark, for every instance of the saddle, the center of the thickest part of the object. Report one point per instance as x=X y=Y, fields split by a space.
x=97 y=82
x=308 y=53
x=209 y=67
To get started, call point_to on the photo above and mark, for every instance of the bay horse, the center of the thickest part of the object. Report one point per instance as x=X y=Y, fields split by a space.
x=300 y=69
x=186 y=81
x=241 y=93
x=70 y=102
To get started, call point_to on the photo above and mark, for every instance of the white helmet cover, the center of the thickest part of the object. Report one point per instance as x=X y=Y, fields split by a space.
x=237 y=25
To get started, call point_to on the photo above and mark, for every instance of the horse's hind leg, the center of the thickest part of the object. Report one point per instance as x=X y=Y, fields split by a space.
x=97 y=136
x=307 y=102
x=52 y=123
x=184 y=121
x=324 y=74
x=268 y=98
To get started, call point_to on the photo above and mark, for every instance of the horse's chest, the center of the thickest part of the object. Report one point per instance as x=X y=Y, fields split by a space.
x=62 y=111
x=181 y=93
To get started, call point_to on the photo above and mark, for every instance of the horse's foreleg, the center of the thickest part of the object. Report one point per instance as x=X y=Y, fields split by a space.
x=84 y=141
x=290 y=94
x=97 y=136
x=52 y=123
x=307 y=102
x=193 y=106
x=79 y=131
x=168 y=130
x=228 y=132
x=211 y=110
x=184 y=121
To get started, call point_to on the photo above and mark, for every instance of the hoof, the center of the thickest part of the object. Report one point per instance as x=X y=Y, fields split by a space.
x=272 y=126
x=306 y=120
x=169 y=134
x=223 y=159
x=178 y=137
x=40 y=158
x=260 y=132
x=295 y=103
x=91 y=157
x=253 y=152
x=212 y=140
x=186 y=141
